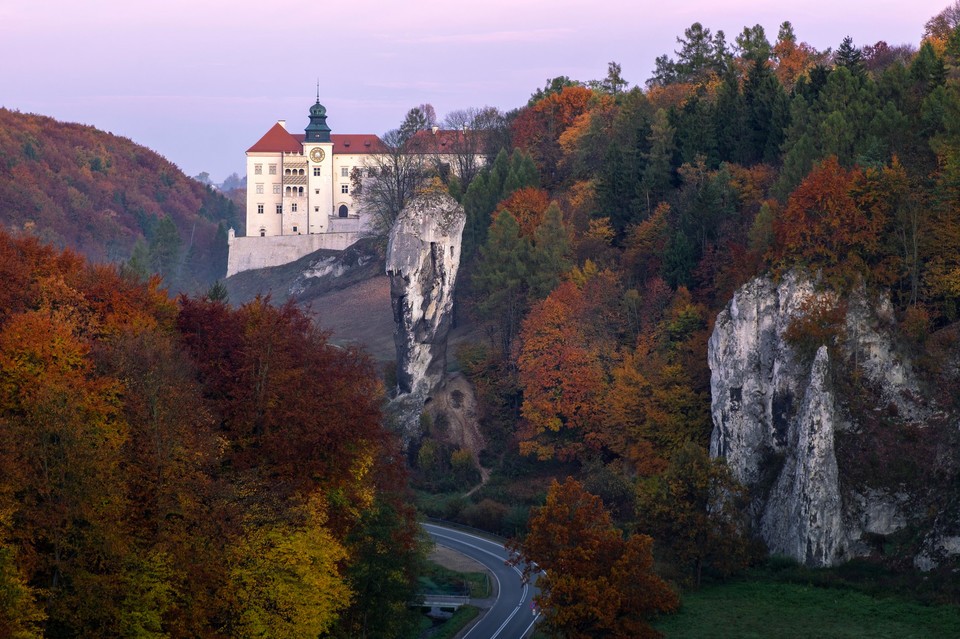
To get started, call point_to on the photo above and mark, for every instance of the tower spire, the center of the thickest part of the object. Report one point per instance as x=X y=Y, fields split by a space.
x=317 y=130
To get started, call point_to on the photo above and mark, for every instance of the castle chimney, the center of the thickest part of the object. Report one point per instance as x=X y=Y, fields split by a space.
x=282 y=123
x=434 y=128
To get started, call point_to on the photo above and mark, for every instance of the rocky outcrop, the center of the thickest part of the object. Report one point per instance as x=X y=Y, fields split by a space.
x=756 y=379
x=803 y=516
x=777 y=419
x=423 y=256
x=453 y=407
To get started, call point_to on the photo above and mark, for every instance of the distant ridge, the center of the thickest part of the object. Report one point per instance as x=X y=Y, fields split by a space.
x=74 y=186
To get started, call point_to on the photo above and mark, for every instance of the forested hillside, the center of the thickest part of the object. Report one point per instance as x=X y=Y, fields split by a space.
x=74 y=186
x=175 y=469
x=599 y=253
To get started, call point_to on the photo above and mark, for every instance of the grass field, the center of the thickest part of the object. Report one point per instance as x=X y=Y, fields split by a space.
x=758 y=610
x=440 y=580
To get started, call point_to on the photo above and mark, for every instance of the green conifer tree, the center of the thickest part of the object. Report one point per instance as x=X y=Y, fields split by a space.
x=501 y=280
x=550 y=253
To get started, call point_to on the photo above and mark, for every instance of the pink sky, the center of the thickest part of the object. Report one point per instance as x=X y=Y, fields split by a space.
x=200 y=81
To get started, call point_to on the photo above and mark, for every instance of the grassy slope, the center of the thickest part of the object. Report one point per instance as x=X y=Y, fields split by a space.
x=355 y=307
x=763 y=609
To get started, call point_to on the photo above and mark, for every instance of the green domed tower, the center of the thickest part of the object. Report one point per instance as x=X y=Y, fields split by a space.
x=317 y=130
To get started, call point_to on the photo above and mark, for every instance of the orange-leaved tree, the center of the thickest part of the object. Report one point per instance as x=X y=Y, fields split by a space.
x=568 y=342
x=528 y=206
x=537 y=129
x=594 y=582
x=823 y=226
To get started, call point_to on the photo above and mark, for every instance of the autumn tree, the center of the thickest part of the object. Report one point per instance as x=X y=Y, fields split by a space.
x=658 y=398
x=695 y=512
x=552 y=86
x=285 y=579
x=566 y=347
x=537 y=129
x=21 y=615
x=168 y=470
x=822 y=225
x=394 y=175
x=527 y=205
x=791 y=58
x=480 y=131
x=593 y=582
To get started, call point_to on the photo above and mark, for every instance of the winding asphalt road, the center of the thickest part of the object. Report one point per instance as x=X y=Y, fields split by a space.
x=511 y=617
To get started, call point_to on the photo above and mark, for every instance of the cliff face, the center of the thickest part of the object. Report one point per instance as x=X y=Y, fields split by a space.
x=423 y=256
x=778 y=420
x=755 y=378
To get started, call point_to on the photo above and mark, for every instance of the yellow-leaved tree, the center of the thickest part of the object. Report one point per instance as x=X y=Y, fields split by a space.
x=285 y=582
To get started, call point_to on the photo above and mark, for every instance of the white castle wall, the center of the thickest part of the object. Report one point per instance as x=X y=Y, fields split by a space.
x=247 y=253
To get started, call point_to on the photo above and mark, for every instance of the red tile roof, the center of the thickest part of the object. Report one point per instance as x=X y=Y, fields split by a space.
x=351 y=142
x=441 y=141
x=356 y=143
x=277 y=139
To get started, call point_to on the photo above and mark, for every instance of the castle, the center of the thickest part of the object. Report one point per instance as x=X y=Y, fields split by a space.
x=300 y=190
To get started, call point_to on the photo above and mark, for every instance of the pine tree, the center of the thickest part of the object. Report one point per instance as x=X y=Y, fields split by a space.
x=165 y=250
x=658 y=172
x=501 y=280
x=732 y=133
x=550 y=253
x=850 y=57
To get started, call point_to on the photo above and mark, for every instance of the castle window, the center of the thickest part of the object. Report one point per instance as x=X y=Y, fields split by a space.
x=273 y=169
x=258 y=169
x=317 y=191
x=288 y=190
x=344 y=188
x=276 y=189
x=342 y=211
x=287 y=172
x=293 y=207
x=294 y=229
x=263 y=232
x=279 y=209
x=344 y=171
x=260 y=189
x=259 y=208
x=316 y=171
x=316 y=209
x=300 y=191
x=301 y=172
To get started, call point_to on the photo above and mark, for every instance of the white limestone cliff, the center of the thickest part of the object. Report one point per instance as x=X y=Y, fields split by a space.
x=776 y=419
x=755 y=378
x=803 y=516
x=423 y=256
